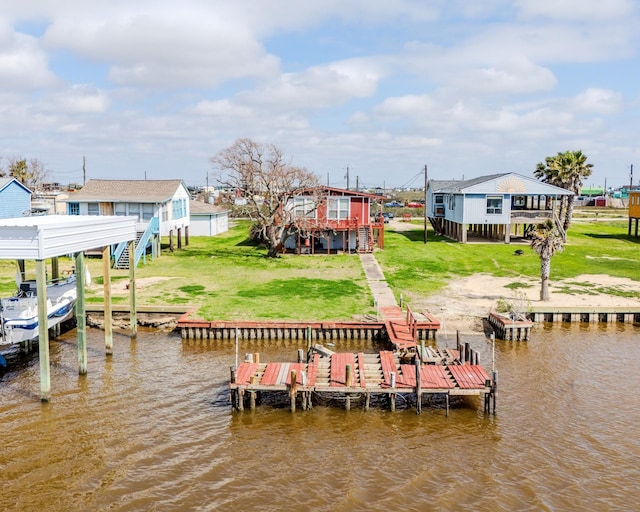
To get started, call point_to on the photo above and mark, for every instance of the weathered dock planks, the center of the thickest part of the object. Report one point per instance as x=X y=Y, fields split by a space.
x=358 y=375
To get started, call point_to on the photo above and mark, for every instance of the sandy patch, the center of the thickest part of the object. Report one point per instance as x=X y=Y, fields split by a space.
x=122 y=285
x=465 y=302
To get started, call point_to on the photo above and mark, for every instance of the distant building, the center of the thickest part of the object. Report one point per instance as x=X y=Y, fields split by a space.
x=15 y=199
x=495 y=207
x=634 y=210
x=207 y=219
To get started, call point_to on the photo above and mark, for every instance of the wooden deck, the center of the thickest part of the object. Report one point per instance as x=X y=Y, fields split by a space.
x=360 y=374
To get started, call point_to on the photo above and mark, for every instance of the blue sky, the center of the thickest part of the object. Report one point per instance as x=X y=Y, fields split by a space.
x=156 y=88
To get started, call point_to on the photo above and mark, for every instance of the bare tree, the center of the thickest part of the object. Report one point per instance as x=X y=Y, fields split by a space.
x=31 y=173
x=264 y=187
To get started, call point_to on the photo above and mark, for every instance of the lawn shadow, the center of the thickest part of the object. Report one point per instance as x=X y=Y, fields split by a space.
x=613 y=236
x=417 y=235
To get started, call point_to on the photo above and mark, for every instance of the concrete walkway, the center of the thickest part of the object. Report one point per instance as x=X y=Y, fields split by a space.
x=377 y=283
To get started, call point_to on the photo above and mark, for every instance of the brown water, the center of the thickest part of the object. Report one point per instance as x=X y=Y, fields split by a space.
x=152 y=429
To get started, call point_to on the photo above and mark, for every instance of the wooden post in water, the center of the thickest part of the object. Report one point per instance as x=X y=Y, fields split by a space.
x=133 y=314
x=495 y=389
x=418 y=387
x=43 y=330
x=392 y=396
x=446 y=398
x=293 y=391
x=81 y=313
x=106 y=286
x=347 y=383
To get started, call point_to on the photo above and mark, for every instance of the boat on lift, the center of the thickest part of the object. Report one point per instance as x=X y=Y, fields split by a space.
x=19 y=314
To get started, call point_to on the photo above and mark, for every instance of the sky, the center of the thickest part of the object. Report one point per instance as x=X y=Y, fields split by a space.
x=375 y=89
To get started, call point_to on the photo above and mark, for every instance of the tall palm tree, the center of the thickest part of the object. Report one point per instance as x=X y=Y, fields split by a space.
x=566 y=170
x=546 y=241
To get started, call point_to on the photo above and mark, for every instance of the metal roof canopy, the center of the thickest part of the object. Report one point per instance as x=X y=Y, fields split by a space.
x=39 y=238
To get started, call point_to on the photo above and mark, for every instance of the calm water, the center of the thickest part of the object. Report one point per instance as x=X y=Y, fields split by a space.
x=152 y=429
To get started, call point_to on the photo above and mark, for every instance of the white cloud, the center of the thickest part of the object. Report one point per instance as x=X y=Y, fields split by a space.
x=599 y=101
x=79 y=99
x=23 y=64
x=320 y=86
x=165 y=49
x=594 y=10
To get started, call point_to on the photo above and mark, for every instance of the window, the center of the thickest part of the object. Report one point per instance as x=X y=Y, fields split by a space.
x=304 y=207
x=338 y=208
x=494 y=205
x=120 y=209
x=438 y=199
x=93 y=208
x=147 y=211
x=74 y=208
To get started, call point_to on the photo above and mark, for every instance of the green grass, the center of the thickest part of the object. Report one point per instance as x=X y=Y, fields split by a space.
x=413 y=269
x=229 y=278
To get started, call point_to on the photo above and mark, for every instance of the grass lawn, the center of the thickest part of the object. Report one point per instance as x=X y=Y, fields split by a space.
x=228 y=278
x=592 y=248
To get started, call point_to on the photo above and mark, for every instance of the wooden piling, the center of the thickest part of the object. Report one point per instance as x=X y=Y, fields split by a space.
x=418 y=387
x=293 y=391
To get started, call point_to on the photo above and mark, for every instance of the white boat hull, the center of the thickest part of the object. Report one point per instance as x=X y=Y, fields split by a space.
x=19 y=320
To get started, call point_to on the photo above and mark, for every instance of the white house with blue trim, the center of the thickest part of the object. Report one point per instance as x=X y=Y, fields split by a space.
x=15 y=199
x=161 y=207
x=497 y=206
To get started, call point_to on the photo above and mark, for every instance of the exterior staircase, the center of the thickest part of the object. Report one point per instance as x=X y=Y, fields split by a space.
x=365 y=239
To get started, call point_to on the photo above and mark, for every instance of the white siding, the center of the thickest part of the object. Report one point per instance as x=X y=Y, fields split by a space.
x=209 y=224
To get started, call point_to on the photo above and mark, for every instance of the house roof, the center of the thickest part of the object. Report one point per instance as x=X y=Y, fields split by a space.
x=508 y=182
x=202 y=208
x=5 y=182
x=139 y=191
x=341 y=192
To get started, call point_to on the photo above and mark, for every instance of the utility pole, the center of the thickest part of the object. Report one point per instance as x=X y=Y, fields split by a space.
x=631 y=177
x=425 y=203
x=327 y=179
x=84 y=170
x=357 y=183
x=347 y=177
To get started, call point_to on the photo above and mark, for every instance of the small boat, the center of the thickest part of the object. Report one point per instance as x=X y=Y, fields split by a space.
x=19 y=314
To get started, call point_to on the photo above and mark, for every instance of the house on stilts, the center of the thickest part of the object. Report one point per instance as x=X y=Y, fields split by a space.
x=495 y=207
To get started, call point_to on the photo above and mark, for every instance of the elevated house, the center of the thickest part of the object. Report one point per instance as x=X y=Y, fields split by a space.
x=161 y=207
x=495 y=207
x=634 y=210
x=334 y=220
x=207 y=219
x=15 y=199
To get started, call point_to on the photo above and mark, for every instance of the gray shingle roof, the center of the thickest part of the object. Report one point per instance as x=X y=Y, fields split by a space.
x=139 y=191
x=200 y=208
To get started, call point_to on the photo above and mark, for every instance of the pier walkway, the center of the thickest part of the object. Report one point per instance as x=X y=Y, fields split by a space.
x=401 y=328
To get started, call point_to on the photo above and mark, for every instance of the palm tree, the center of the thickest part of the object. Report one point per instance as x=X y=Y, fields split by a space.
x=566 y=170
x=546 y=241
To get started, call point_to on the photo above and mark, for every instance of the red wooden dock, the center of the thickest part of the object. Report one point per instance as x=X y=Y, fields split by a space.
x=357 y=374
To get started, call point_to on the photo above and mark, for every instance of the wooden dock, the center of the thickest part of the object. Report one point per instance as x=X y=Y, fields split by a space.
x=423 y=327
x=357 y=377
x=506 y=328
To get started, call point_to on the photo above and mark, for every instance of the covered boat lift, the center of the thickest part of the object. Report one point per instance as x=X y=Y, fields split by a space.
x=41 y=238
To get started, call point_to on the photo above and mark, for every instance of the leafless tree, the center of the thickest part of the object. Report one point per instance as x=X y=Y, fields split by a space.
x=30 y=173
x=264 y=187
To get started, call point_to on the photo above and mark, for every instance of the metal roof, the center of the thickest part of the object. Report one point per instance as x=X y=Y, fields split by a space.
x=462 y=186
x=38 y=238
